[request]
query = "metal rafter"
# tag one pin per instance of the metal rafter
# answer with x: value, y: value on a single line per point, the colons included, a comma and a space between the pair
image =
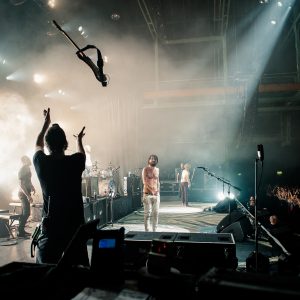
x: 147, y: 16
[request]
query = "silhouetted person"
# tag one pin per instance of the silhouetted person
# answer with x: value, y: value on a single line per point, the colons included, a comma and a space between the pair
x: 178, y: 178
x: 185, y: 183
x: 60, y: 179
x: 25, y: 190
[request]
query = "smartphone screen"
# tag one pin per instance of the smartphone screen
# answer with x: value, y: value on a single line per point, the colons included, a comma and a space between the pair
x: 107, y: 243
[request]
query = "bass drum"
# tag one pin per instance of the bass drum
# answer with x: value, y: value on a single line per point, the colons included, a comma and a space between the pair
x: 107, y: 187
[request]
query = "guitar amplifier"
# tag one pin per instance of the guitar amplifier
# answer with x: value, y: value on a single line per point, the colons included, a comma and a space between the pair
x: 99, y: 210
x: 89, y: 186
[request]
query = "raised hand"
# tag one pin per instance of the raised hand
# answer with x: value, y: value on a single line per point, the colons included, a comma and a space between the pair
x: 47, y: 117
x: 81, y: 134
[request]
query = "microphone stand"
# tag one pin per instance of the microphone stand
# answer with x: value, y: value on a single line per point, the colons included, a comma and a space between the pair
x: 224, y: 181
x: 255, y: 215
x: 110, y: 203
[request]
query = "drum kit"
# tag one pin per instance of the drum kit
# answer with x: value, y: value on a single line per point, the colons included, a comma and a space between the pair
x: 106, y: 179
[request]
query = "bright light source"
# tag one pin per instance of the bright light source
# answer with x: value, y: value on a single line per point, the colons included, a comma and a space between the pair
x: 80, y: 28
x: 38, y: 78
x: 273, y: 22
x: 51, y: 3
x: 221, y: 196
x: 115, y: 16
x: 279, y: 3
x: 61, y: 92
x: 105, y: 59
x: 18, y: 75
x: 55, y: 94
x: 14, y: 194
x: 279, y: 172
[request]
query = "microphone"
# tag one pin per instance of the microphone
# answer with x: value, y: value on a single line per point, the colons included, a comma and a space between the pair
x: 260, y: 152
x: 201, y: 168
x: 102, y: 77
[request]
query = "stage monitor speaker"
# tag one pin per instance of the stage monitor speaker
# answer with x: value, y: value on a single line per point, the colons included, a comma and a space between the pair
x: 138, y: 244
x: 237, y: 231
x: 191, y: 253
x: 195, y: 253
x: 236, y: 223
x: 233, y: 217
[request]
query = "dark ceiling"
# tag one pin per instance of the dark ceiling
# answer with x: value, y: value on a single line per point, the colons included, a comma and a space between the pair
x: 187, y: 31
x: 31, y: 20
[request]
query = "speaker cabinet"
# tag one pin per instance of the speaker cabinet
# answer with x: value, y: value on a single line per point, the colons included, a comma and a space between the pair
x: 138, y: 245
x: 36, y: 212
x: 196, y: 253
x: 4, y: 232
x: 88, y: 212
x: 236, y: 223
x: 99, y: 210
x: 89, y: 186
x: 233, y: 217
x: 191, y: 253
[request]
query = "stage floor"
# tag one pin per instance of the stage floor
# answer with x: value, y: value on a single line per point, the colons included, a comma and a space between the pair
x: 198, y: 217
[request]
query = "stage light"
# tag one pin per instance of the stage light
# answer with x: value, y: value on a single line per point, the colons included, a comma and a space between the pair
x: 19, y: 75
x: 51, y: 3
x: 38, y: 78
x: 220, y: 196
x: 273, y: 22
x: 115, y: 16
x: 55, y: 94
x: 279, y: 173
